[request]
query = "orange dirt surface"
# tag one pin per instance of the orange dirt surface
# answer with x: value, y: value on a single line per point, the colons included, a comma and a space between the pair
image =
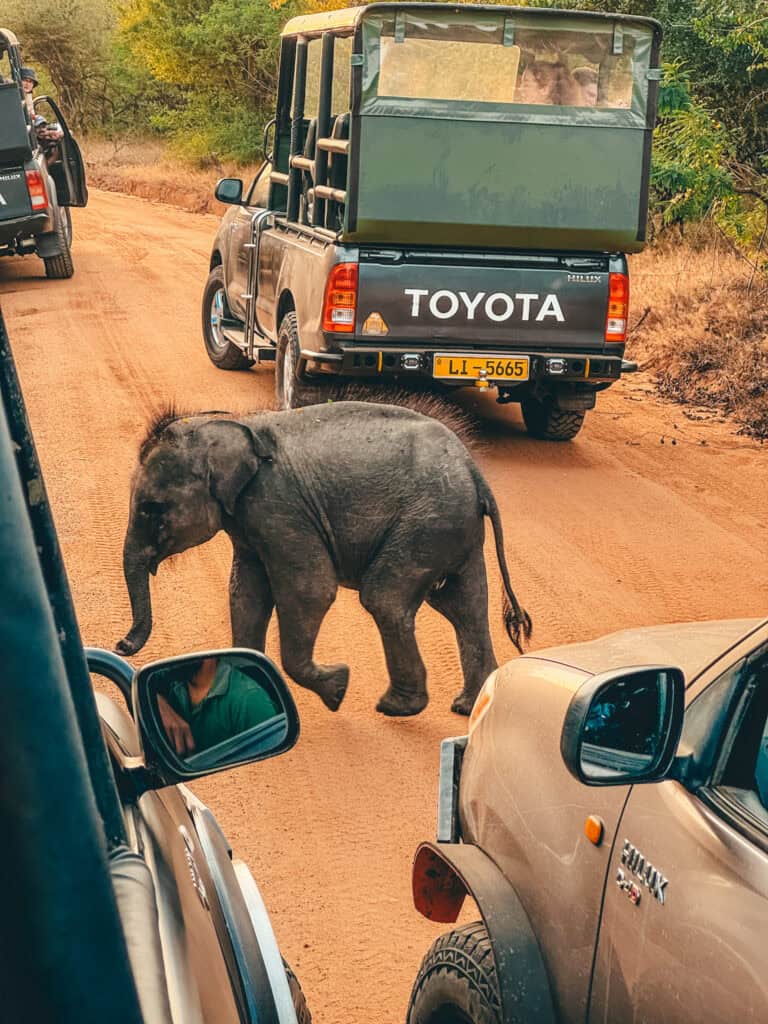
x: 647, y: 517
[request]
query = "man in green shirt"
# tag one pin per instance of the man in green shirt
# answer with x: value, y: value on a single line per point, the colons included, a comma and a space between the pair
x: 214, y: 702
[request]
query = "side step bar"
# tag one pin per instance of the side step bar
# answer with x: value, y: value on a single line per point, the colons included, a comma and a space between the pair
x: 261, y: 353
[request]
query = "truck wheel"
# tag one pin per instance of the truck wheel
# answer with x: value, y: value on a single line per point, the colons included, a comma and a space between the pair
x: 291, y: 390
x: 544, y: 421
x: 221, y: 352
x: 60, y: 267
x: 457, y: 981
x: 303, y: 1016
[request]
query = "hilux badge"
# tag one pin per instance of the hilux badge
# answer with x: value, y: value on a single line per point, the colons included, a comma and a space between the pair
x: 642, y: 869
x: 583, y: 279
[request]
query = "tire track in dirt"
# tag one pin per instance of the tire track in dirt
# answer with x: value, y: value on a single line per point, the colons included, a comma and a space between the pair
x: 613, y: 530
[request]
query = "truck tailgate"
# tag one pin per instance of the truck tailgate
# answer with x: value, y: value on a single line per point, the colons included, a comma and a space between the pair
x: 14, y: 197
x: 497, y: 301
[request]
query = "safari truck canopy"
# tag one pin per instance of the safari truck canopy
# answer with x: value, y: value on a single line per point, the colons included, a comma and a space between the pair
x: 493, y: 127
x: 15, y: 141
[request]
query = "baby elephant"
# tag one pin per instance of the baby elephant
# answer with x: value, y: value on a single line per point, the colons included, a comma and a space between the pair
x: 374, y: 497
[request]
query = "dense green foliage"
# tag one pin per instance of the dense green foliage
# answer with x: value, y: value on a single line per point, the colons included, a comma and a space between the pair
x: 218, y: 61
x: 203, y: 72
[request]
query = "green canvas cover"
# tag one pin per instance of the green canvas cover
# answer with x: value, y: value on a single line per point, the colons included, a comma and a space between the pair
x: 504, y: 129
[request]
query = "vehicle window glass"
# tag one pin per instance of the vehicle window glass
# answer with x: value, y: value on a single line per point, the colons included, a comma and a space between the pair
x: 258, y: 194
x: 312, y: 91
x: 556, y: 67
x: 5, y: 66
x: 706, y: 720
x: 342, y: 59
x: 745, y: 770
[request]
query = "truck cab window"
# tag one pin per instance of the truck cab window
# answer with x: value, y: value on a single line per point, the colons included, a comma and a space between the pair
x: 745, y: 774
x: 258, y: 193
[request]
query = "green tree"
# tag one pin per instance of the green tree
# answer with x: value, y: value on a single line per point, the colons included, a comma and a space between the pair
x: 222, y: 56
x: 92, y: 75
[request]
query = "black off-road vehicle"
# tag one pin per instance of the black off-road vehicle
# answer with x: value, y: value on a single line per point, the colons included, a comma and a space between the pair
x: 41, y: 171
x: 450, y: 196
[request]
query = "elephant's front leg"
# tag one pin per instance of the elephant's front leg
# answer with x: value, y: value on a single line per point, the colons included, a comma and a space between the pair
x: 303, y: 596
x: 250, y: 600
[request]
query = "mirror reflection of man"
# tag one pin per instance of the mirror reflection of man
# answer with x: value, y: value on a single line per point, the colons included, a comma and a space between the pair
x: 209, y: 701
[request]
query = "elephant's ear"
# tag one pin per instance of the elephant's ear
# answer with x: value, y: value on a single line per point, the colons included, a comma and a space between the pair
x: 231, y: 458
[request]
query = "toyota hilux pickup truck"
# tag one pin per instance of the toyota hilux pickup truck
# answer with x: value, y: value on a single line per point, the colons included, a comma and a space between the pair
x: 607, y: 815
x: 466, y: 229
x: 42, y: 175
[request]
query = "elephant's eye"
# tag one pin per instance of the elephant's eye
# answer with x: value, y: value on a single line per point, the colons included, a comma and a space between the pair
x: 152, y: 508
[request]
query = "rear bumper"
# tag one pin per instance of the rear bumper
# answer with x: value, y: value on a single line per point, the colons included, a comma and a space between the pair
x: 24, y: 227
x: 550, y: 367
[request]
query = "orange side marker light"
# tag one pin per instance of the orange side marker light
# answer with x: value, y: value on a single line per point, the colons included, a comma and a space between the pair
x: 593, y: 829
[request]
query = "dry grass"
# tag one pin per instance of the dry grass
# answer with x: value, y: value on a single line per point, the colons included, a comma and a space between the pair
x: 144, y: 168
x: 705, y: 335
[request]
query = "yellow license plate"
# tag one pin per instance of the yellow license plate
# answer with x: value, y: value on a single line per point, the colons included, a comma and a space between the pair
x: 466, y: 366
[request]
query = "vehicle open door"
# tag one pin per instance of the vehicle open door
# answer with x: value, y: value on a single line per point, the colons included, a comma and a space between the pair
x: 66, y: 166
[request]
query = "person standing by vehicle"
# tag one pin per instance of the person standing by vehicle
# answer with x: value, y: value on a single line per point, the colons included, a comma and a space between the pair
x: 28, y: 85
x: 47, y: 134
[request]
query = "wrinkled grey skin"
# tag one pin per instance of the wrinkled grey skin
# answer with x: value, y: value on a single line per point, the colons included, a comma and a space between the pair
x: 373, y: 497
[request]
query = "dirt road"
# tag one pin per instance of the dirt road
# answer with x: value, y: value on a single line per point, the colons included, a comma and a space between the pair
x: 647, y: 517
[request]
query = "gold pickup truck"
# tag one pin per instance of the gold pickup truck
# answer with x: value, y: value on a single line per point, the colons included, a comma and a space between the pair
x: 608, y: 815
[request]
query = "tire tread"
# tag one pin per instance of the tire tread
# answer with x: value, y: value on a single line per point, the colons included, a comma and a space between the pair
x: 464, y: 954
x: 61, y: 267
x: 546, y: 422
x: 232, y: 358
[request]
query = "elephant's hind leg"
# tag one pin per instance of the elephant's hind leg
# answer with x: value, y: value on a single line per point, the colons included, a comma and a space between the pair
x: 393, y: 601
x: 463, y: 600
x: 250, y: 600
x: 303, y: 597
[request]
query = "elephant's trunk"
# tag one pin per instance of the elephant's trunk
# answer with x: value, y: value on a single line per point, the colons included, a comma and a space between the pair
x: 136, y: 567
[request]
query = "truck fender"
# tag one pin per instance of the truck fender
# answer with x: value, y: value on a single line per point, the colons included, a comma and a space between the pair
x: 443, y: 875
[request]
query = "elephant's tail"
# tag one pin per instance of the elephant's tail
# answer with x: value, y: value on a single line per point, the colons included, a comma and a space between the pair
x: 517, y: 621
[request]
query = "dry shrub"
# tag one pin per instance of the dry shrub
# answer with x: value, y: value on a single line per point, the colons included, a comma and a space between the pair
x: 705, y: 335
x: 143, y: 168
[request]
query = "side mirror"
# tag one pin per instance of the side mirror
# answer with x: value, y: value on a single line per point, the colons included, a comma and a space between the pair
x: 229, y: 190
x: 623, y: 727
x: 201, y: 713
x: 268, y: 144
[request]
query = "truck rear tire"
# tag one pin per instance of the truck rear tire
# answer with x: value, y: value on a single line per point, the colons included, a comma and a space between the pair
x: 222, y: 353
x: 60, y: 267
x: 292, y: 390
x: 457, y: 982
x: 544, y: 421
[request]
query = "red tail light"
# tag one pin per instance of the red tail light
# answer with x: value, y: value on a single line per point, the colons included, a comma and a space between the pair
x: 618, y: 308
x: 38, y: 196
x: 340, y: 304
